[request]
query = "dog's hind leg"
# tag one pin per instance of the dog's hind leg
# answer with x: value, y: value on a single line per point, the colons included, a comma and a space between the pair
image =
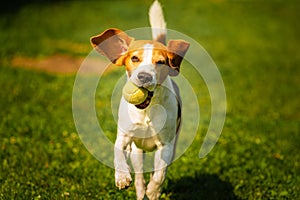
x: 137, y: 159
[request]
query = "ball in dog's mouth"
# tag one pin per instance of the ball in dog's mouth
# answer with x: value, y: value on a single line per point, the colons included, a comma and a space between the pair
x: 138, y: 96
x: 147, y: 101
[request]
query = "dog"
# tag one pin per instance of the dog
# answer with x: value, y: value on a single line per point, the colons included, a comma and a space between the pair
x: 153, y: 125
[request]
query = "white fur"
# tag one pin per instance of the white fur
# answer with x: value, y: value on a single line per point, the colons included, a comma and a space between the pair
x: 147, y: 55
x: 157, y: 21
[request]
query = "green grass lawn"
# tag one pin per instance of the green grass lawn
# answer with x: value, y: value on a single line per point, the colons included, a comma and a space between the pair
x: 256, y: 47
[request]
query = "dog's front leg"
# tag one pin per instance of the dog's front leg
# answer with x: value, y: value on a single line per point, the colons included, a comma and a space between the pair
x: 122, y: 172
x: 137, y: 159
x: 163, y: 158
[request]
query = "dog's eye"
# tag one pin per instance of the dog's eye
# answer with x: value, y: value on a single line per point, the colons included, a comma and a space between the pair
x: 161, y: 62
x: 135, y: 59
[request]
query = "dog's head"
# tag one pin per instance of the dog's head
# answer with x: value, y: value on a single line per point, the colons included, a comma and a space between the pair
x: 147, y: 62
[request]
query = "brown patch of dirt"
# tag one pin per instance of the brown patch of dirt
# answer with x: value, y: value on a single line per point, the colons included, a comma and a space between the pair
x: 60, y: 64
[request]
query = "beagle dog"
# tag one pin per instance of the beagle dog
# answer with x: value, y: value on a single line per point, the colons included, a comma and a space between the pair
x: 153, y: 125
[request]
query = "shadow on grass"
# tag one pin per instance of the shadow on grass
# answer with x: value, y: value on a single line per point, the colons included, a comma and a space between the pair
x: 202, y: 186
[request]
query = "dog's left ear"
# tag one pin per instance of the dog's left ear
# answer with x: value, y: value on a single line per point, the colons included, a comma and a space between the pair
x: 176, y: 52
x: 112, y: 43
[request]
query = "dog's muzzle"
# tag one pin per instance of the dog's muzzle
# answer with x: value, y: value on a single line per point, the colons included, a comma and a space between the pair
x: 144, y: 79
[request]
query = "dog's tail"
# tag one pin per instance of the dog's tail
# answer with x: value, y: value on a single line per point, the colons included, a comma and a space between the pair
x: 157, y: 22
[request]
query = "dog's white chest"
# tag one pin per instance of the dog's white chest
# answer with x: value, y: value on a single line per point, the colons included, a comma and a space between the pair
x: 143, y: 125
x: 148, y: 128
x: 151, y: 120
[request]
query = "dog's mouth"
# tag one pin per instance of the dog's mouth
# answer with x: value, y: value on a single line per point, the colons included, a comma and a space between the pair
x: 147, y: 101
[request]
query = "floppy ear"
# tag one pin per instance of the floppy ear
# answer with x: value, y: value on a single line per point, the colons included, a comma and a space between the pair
x: 176, y: 52
x: 112, y: 43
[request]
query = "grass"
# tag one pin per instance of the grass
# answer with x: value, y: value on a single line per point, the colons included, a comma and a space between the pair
x: 256, y: 47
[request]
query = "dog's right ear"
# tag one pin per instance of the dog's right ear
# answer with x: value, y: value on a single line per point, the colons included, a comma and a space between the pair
x: 112, y: 43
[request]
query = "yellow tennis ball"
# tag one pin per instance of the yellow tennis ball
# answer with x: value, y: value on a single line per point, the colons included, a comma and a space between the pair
x: 134, y: 94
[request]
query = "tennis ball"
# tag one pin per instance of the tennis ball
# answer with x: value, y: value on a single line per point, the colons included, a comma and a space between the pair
x: 134, y: 94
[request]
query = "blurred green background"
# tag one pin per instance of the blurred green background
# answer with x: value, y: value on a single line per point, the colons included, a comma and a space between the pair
x: 255, y: 45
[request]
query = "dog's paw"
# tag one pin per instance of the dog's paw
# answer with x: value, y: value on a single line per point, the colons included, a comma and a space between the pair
x: 153, y: 195
x: 123, y: 180
x: 153, y: 190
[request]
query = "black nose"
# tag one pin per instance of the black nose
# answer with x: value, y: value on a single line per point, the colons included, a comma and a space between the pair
x: 144, y: 77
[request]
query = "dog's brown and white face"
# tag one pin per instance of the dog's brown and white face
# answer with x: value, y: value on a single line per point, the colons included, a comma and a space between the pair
x: 147, y: 62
